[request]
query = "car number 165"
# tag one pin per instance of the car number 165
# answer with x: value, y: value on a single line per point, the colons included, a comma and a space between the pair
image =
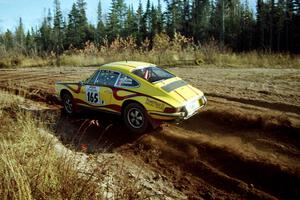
x: 92, y: 94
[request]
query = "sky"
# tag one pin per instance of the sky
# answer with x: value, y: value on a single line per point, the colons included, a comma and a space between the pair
x: 32, y: 11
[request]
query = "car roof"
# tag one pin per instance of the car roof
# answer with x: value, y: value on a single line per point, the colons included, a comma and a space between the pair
x: 126, y: 65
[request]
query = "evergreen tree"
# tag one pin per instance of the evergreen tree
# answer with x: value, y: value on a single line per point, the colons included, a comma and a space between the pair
x: 153, y: 23
x: 44, y: 36
x: 147, y: 19
x: 186, y: 18
x: 116, y: 19
x: 227, y: 19
x: 30, y: 44
x: 260, y: 18
x: 160, y: 18
x: 100, y: 31
x: 200, y: 19
x: 130, y: 28
x: 174, y: 16
x: 20, y: 36
x: 246, y: 37
x: 84, y: 30
x: 73, y: 38
x: 8, y: 40
x: 141, y: 24
x: 276, y: 26
x: 58, y: 35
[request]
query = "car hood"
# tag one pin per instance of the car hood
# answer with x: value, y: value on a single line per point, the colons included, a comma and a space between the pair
x: 179, y: 90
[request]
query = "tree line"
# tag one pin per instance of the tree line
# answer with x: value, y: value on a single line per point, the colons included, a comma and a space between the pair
x: 274, y: 27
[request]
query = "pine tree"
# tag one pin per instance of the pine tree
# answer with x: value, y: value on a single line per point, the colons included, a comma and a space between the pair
x: 153, y: 23
x: 295, y: 22
x: 45, y: 36
x: 83, y: 28
x: 260, y: 18
x: 246, y: 38
x: 141, y: 24
x: 8, y: 40
x: 116, y: 19
x: 20, y: 36
x: 130, y: 28
x: 73, y: 38
x: 174, y: 16
x: 160, y: 18
x: 290, y: 22
x: 200, y: 19
x: 147, y: 19
x: 30, y: 44
x: 227, y: 19
x: 58, y: 35
x: 186, y: 18
x: 100, y: 31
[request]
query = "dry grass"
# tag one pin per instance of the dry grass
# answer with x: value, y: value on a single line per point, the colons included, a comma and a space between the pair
x: 29, y: 166
x: 164, y: 51
x: 34, y: 165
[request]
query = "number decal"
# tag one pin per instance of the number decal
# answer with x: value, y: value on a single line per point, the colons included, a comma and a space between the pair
x: 92, y: 95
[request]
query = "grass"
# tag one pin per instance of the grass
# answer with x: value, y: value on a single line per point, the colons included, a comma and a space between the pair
x: 164, y: 51
x: 30, y: 168
x: 35, y: 165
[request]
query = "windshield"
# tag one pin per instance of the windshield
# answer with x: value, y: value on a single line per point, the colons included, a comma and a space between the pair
x: 153, y: 74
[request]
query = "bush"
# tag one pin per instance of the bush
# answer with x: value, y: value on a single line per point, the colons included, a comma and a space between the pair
x: 163, y: 50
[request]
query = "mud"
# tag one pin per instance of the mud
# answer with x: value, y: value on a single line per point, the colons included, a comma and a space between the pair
x: 234, y: 149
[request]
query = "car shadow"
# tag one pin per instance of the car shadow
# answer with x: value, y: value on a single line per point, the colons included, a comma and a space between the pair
x: 93, y: 132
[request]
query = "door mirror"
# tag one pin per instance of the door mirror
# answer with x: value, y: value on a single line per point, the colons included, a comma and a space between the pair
x: 81, y: 83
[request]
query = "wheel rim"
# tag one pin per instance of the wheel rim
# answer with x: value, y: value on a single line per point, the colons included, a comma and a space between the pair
x: 68, y: 104
x: 135, y: 118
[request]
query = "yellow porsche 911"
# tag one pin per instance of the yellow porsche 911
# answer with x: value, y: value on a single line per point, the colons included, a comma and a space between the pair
x: 142, y: 93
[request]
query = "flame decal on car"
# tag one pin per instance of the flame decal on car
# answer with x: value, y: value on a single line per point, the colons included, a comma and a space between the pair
x: 121, y: 98
x: 114, y: 107
x: 67, y: 85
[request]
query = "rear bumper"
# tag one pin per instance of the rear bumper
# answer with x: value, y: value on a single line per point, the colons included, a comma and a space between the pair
x: 203, y: 102
x: 179, y: 116
x: 167, y: 115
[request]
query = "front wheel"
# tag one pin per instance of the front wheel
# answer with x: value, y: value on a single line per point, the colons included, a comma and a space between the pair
x: 68, y: 103
x: 135, y: 118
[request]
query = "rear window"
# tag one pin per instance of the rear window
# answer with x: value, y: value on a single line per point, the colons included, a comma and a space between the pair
x: 153, y: 74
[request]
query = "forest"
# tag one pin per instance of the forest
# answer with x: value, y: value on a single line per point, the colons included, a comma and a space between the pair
x: 230, y: 25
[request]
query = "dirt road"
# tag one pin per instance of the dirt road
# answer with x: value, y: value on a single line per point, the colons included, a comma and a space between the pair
x: 244, y: 145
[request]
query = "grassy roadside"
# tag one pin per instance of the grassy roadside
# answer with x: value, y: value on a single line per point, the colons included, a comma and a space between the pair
x: 168, y: 58
x: 30, y: 168
x: 34, y: 164
x: 163, y: 51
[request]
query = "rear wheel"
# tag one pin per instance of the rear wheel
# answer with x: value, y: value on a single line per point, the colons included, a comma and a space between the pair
x: 135, y: 118
x: 68, y: 103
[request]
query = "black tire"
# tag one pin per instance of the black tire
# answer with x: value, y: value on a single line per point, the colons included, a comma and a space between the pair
x: 68, y: 103
x: 135, y: 118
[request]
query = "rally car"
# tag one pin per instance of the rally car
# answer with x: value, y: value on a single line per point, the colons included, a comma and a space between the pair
x: 142, y: 93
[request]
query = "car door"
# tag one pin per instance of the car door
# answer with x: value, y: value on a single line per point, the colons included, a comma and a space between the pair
x: 98, y: 92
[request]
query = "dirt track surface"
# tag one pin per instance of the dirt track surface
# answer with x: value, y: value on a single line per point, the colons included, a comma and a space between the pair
x: 244, y: 145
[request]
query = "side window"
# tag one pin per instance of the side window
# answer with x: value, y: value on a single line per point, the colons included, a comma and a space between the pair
x: 126, y: 81
x: 92, y: 78
x: 107, y: 77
